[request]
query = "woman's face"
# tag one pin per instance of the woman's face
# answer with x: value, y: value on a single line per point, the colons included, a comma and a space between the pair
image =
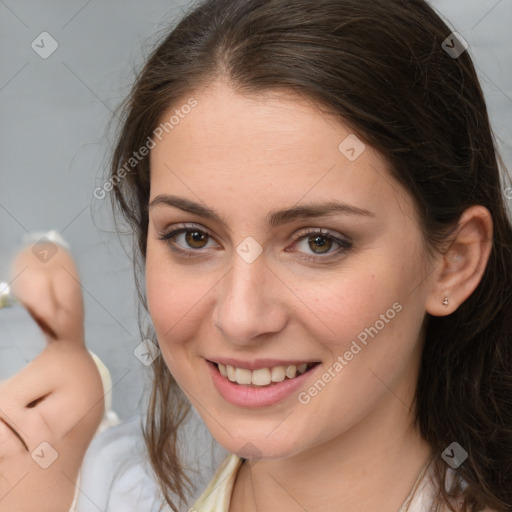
x: 258, y: 287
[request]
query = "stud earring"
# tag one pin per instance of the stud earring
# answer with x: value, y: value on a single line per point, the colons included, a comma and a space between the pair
x: 445, y: 301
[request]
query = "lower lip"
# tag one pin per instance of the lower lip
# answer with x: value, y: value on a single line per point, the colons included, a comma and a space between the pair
x: 248, y: 396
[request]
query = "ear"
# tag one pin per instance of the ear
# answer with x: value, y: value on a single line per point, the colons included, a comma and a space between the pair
x: 462, y: 265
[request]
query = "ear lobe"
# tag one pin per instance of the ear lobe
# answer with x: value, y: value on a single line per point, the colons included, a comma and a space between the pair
x: 462, y: 266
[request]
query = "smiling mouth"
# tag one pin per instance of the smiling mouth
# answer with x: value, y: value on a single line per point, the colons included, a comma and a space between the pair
x: 262, y: 377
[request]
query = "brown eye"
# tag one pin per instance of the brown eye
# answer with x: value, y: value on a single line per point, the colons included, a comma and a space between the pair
x: 321, y: 246
x: 321, y: 242
x: 188, y: 241
x: 196, y: 239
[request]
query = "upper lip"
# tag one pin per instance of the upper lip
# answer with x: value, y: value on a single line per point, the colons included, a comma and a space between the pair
x: 259, y: 363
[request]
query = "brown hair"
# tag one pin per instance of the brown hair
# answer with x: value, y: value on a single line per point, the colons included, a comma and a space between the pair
x: 380, y: 66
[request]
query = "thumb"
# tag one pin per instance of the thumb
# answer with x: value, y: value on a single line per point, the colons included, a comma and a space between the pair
x: 51, y: 292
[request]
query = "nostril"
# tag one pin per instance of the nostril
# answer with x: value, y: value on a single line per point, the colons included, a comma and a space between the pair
x: 36, y: 401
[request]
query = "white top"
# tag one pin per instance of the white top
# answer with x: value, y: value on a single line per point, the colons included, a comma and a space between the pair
x: 116, y: 474
x: 109, y: 419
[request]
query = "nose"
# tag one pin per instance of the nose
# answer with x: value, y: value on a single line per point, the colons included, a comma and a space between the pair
x: 249, y: 303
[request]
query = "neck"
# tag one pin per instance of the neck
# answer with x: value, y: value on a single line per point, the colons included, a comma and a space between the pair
x: 373, y: 466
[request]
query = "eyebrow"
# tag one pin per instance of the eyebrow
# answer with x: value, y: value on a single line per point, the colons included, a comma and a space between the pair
x: 14, y: 432
x: 273, y: 218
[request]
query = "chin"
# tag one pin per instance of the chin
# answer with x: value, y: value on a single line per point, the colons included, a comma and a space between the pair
x: 258, y: 447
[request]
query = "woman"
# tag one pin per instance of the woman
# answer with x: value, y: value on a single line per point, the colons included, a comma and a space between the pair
x: 316, y: 200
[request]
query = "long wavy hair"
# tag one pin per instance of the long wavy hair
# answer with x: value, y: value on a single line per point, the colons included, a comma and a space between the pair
x: 382, y: 67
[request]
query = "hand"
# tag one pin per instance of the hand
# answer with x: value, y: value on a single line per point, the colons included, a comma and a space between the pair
x: 51, y: 292
x: 51, y: 409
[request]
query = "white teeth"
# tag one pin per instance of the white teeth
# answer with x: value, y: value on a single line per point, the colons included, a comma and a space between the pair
x: 291, y: 371
x: 231, y: 373
x: 302, y: 368
x: 243, y: 376
x: 278, y: 373
x: 261, y: 376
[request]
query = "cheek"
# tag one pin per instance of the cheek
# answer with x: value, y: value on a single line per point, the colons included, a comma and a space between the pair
x: 342, y: 306
x: 176, y: 297
x: 162, y: 289
x: 374, y: 349
x: 371, y: 315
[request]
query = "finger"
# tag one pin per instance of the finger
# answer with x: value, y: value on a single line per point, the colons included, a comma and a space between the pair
x: 51, y: 291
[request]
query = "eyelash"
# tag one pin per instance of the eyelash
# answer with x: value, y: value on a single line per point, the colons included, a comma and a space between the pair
x: 345, y: 245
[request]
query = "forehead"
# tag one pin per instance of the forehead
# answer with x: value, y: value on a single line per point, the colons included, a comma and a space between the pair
x: 266, y: 149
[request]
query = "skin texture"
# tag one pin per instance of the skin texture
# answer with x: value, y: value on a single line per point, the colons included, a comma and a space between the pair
x: 57, y: 398
x: 353, y: 446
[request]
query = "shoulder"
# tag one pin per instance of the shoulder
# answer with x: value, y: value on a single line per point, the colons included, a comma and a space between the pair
x: 113, y: 465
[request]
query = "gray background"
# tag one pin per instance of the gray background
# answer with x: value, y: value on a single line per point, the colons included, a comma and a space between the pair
x: 54, y: 142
